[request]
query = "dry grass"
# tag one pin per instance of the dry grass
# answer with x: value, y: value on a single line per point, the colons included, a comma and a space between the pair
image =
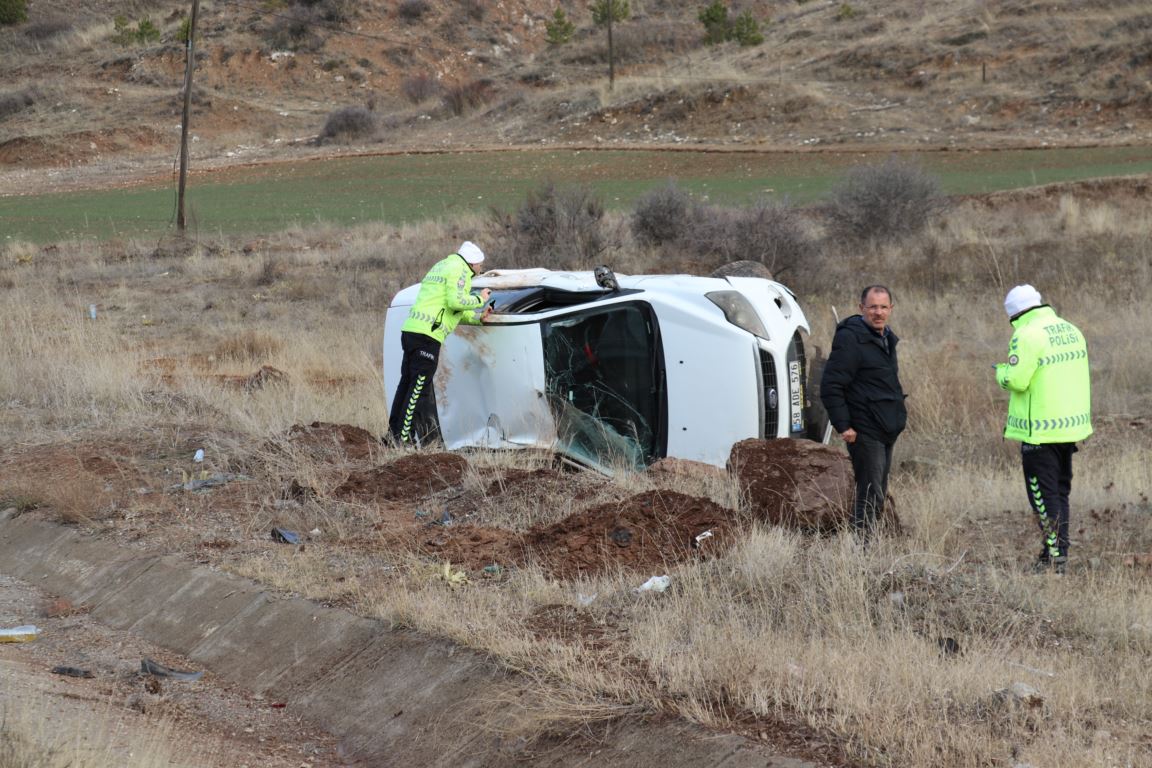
x: 808, y: 632
x: 68, y: 737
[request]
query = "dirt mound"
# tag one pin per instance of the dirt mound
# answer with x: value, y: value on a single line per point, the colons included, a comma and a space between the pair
x: 519, y: 482
x: 322, y: 437
x: 647, y: 532
x: 795, y: 483
x: 651, y: 531
x: 409, y: 478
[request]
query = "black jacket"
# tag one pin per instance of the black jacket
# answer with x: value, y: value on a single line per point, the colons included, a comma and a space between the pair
x: 861, y: 383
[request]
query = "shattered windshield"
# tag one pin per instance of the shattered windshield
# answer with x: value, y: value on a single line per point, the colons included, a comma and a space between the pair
x: 605, y: 384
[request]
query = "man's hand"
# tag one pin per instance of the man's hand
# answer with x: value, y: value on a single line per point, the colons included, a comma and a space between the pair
x: 849, y: 435
x: 487, y: 311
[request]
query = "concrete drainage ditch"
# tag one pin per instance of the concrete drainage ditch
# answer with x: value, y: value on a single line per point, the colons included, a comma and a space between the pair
x: 392, y: 696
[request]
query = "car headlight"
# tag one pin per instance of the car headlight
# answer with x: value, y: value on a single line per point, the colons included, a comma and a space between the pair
x: 739, y: 311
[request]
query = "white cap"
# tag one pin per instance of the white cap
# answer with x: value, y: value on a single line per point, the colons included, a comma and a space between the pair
x: 1021, y: 298
x: 471, y: 252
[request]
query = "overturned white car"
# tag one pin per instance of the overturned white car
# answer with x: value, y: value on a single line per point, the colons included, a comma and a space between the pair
x: 618, y: 371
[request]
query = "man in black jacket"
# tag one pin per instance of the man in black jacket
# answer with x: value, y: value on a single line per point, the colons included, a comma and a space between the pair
x: 861, y: 391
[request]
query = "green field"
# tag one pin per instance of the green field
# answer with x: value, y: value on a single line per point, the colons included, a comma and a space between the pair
x: 412, y: 187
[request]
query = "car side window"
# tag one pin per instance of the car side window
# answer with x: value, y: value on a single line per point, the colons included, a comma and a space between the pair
x: 603, y: 381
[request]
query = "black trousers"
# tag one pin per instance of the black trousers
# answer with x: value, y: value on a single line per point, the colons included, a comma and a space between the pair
x: 1048, y: 480
x: 413, y: 416
x: 871, y: 463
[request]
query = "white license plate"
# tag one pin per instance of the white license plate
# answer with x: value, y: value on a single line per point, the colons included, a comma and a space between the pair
x: 796, y: 395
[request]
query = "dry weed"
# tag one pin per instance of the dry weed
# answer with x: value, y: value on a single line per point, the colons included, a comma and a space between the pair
x: 844, y: 642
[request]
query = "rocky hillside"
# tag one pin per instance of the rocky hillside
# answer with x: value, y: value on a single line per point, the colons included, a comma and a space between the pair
x: 76, y: 87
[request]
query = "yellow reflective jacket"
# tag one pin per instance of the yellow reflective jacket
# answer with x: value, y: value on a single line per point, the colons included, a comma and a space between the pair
x: 445, y: 300
x: 1047, y: 376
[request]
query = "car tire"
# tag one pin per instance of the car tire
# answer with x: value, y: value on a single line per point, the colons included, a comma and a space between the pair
x: 815, y: 417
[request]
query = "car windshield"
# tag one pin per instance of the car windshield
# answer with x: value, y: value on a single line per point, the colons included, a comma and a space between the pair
x: 605, y: 384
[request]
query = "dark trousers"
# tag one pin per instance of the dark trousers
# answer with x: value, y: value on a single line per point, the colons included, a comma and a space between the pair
x: 413, y: 416
x: 1048, y: 479
x: 871, y: 462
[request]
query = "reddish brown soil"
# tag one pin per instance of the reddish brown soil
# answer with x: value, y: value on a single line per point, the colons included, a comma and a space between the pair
x: 409, y: 478
x: 647, y: 533
x: 319, y: 436
x: 796, y: 483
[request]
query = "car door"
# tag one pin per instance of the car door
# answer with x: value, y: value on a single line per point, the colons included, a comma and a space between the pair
x: 490, y: 388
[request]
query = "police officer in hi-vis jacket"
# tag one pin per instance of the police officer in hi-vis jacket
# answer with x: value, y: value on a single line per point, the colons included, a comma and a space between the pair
x: 1049, y: 410
x: 444, y: 301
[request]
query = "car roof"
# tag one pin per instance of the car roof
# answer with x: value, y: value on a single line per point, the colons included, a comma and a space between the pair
x: 585, y: 281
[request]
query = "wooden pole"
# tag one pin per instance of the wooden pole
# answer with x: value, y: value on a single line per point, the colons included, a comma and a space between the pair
x: 181, y: 222
x: 611, y: 52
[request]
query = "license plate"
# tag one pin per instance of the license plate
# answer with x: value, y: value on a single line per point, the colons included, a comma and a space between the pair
x: 796, y: 395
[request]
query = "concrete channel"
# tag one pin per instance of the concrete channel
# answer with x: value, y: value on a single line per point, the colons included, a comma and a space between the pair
x: 395, y: 697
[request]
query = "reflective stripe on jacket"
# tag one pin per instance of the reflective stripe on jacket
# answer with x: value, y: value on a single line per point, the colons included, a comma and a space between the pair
x: 1047, y: 376
x: 445, y: 300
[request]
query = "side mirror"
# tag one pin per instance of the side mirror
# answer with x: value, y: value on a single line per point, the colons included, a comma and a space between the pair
x: 605, y: 278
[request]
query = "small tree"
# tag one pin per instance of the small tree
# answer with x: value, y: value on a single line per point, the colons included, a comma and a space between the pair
x: 606, y: 13
x: 124, y: 34
x: 13, y: 11
x: 718, y: 28
x: 746, y: 30
x: 560, y: 29
x: 715, y: 21
x: 184, y: 31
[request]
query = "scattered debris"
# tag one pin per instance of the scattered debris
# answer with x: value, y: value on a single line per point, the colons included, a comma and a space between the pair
x: 585, y: 600
x: 654, y: 584
x: 285, y: 536
x: 150, y: 667
x: 72, y: 672
x: 59, y: 607
x: 452, y: 577
x: 1021, y: 694
x: 22, y: 634
x: 700, y: 538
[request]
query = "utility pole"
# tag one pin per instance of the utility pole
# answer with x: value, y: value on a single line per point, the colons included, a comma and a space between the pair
x: 180, y: 220
x: 611, y: 51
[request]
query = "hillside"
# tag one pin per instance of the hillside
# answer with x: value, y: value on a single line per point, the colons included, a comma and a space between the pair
x: 447, y: 74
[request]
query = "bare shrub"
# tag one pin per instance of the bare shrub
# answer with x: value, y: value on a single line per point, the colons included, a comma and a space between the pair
x: 889, y: 201
x: 556, y: 227
x: 43, y: 30
x: 295, y: 30
x: 412, y: 11
x: 349, y: 124
x: 460, y: 97
x: 475, y: 9
x: 17, y: 101
x: 661, y: 216
x: 419, y: 88
x: 332, y: 11
x: 770, y: 233
x: 271, y: 271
